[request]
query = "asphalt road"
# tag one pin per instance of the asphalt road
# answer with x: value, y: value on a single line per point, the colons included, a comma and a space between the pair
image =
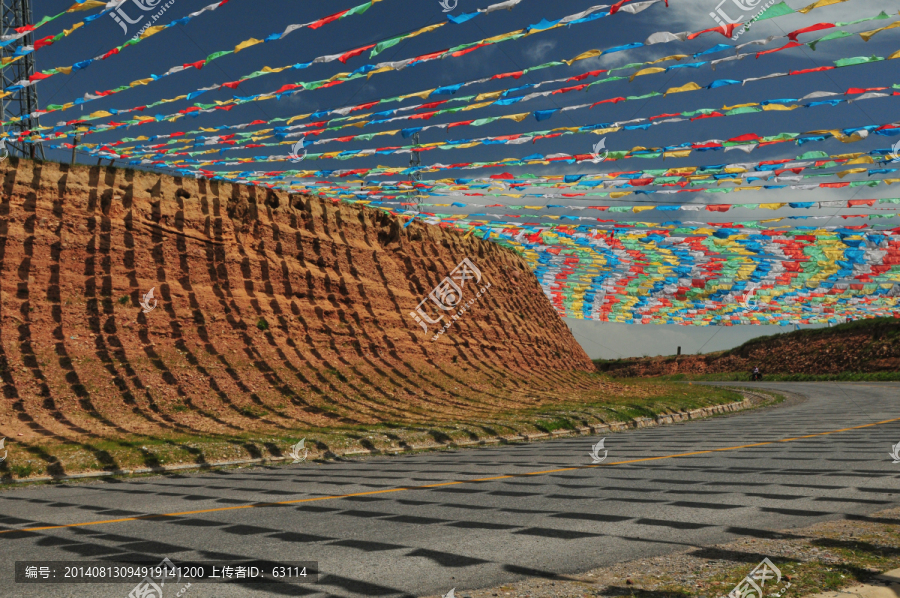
x: 399, y: 541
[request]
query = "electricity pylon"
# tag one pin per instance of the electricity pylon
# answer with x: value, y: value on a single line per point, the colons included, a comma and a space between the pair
x: 415, y: 161
x: 23, y: 102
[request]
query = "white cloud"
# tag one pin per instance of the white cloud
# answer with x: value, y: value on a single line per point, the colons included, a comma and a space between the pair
x: 538, y: 52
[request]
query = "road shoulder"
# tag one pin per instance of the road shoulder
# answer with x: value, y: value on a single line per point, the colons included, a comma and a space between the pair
x: 842, y: 558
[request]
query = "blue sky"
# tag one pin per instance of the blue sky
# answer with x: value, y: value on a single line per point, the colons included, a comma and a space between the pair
x: 242, y: 19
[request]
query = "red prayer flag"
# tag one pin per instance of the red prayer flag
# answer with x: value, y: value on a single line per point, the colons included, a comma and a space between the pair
x: 784, y: 47
x: 817, y: 27
x: 356, y: 52
x: 815, y: 70
x: 46, y: 41
x: 328, y: 19
x: 613, y: 100
x: 726, y: 30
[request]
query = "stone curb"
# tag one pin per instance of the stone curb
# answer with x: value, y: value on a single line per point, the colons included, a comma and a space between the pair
x: 638, y: 422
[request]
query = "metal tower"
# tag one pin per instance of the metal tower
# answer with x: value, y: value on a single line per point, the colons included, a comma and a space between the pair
x: 15, y: 14
x: 413, y: 162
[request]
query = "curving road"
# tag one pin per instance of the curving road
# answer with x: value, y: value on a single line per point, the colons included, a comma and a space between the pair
x: 393, y: 540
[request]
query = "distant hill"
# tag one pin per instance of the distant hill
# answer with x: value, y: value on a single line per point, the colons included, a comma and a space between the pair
x: 865, y: 349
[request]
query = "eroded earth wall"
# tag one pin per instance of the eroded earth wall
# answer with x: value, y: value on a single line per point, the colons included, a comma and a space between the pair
x: 269, y: 309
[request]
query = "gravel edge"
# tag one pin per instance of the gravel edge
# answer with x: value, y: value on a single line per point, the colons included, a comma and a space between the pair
x: 753, y: 399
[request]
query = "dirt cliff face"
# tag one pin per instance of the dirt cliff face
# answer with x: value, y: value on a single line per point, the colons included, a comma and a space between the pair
x: 269, y: 310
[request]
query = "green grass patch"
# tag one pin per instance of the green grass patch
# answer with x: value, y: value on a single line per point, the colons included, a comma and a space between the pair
x: 631, y: 399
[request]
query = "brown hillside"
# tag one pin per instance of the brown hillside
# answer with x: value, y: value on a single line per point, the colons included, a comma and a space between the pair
x: 333, y: 285
x: 865, y: 346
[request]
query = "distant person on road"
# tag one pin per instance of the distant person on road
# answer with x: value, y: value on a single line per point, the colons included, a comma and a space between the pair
x: 756, y: 375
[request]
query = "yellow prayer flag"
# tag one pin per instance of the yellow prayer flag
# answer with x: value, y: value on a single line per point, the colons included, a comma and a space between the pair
x: 861, y: 160
x: 894, y: 55
x: 422, y: 94
x: 476, y: 106
x: 517, y: 117
x: 867, y: 35
x: 65, y: 70
x: 76, y: 26
x: 246, y: 44
x: 681, y: 171
x: 647, y: 71
x: 844, y: 173
x: 853, y: 138
x: 686, y: 87
x: 739, y: 106
x: 675, y: 57
x: 138, y: 82
x: 584, y: 55
x: 677, y: 154
x: 152, y: 31
x: 88, y: 5
x: 819, y: 4
x: 487, y: 96
x: 771, y: 206
x: 779, y: 107
x: 618, y: 194
x: 381, y: 70
x: 638, y: 209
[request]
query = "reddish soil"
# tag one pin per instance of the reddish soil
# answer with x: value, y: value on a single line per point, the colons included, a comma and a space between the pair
x: 864, y: 346
x: 335, y: 284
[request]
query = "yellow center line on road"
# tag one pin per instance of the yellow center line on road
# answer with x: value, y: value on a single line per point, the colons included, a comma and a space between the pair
x: 405, y: 488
